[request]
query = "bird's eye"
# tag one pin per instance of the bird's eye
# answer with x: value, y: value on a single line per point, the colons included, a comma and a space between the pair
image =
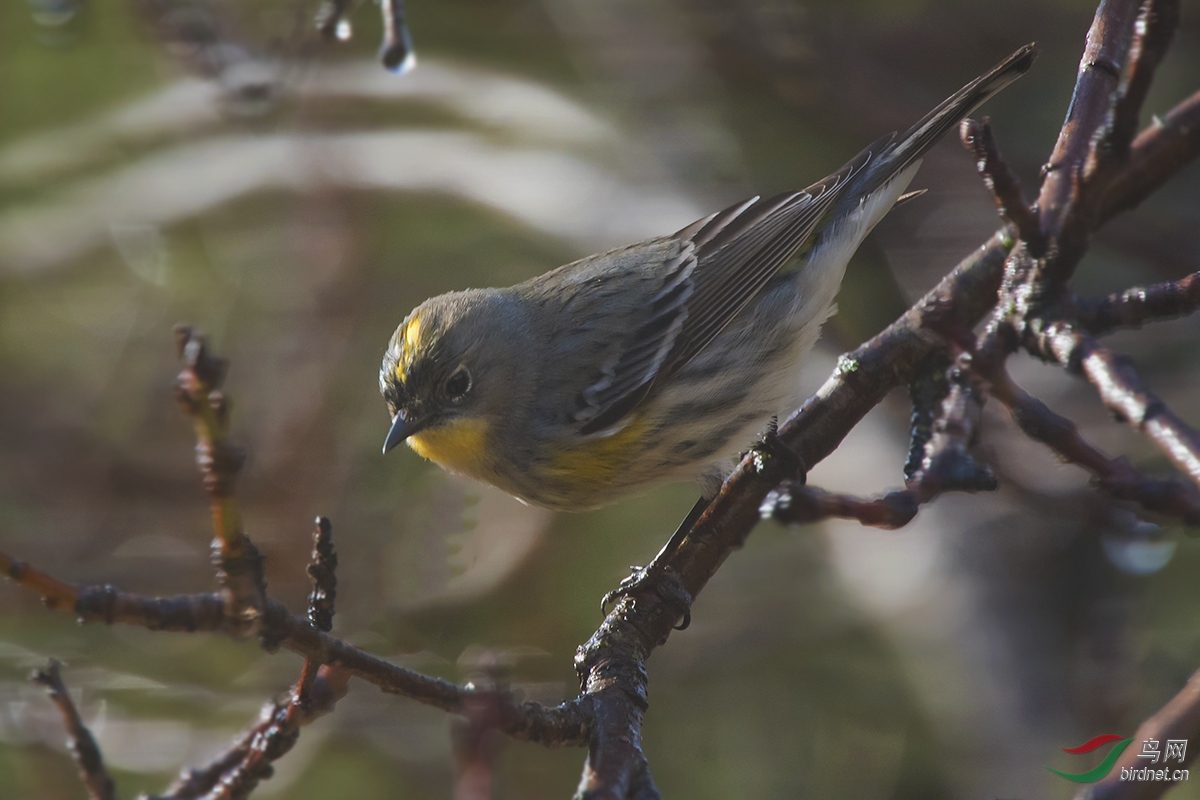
x: 458, y: 384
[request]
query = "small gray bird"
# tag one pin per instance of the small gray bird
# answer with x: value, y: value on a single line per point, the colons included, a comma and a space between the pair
x: 653, y: 362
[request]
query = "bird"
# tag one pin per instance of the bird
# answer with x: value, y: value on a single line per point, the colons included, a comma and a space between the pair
x: 654, y: 362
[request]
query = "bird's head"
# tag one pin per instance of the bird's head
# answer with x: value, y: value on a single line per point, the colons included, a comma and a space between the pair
x: 448, y: 375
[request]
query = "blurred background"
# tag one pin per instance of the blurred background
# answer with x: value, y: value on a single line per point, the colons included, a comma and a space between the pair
x: 215, y: 162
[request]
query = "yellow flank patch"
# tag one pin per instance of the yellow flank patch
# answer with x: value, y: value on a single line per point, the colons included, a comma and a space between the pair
x: 599, y: 461
x: 456, y: 446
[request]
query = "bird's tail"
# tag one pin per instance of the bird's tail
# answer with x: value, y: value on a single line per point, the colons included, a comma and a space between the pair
x: 903, y: 150
x: 917, y: 140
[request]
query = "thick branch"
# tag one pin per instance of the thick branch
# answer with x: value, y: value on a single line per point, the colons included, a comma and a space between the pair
x: 1099, y: 75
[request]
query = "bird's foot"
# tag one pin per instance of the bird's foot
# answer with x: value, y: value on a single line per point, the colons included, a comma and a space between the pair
x: 663, y: 582
x: 771, y: 446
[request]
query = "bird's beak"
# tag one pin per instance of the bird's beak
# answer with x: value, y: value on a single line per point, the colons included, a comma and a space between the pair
x: 404, y: 425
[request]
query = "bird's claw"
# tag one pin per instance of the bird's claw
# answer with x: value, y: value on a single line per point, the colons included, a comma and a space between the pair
x: 772, y: 446
x: 663, y: 582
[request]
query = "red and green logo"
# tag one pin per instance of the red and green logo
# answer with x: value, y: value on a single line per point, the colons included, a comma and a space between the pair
x: 1100, y: 770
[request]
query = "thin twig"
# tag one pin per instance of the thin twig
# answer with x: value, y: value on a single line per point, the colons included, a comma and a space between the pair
x: 797, y: 504
x: 1153, y: 32
x: 238, y: 562
x: 567, y: 724
x: 235, y: 773
x: 1003, y: 183
x: 1135, y: 307
x: 83, y: 746
x: 1160, y: 151
x: 947, y: 464
x: 1116, y: 476
x: 322, y: 570
x: 397, y: 51
x: 1121, y: 390
x: 1179, y: 719
x: 331, y: 20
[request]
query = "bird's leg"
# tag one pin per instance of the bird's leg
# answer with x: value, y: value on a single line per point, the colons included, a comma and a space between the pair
x: 664, y: 581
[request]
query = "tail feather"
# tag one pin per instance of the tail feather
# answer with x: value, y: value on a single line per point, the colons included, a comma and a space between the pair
x: 917, y: 140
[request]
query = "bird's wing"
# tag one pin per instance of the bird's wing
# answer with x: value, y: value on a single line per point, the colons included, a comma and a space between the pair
x: 720, y: 263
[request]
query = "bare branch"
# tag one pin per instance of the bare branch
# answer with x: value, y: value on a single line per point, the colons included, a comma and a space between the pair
x: 1004, y: 185
x: 56, y: 595
x: 947, y: 464
x: 567, y: 724
x: 1116, y: 476
x: 234, y: 774
x: 1134, y: 307
x: 83, y: 747
x: 1099, y: 75
x: 239, y: 564
x: 1178, y: 719
x: 332, y: 18
x: 1153, y: 31
x: 926, y: 390
x: 1084, y: 185
x: 397, y: 51
x: 1121, y: 390
x: 321, y: 569
x: 1158, y: 153
x: 793, y: 503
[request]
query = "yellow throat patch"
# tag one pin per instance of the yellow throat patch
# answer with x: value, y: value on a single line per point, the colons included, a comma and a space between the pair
x: 456, y: 446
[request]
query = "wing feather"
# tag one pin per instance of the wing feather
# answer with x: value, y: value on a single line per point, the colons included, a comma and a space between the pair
x: 724, y: 261
x: 716, y: 266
